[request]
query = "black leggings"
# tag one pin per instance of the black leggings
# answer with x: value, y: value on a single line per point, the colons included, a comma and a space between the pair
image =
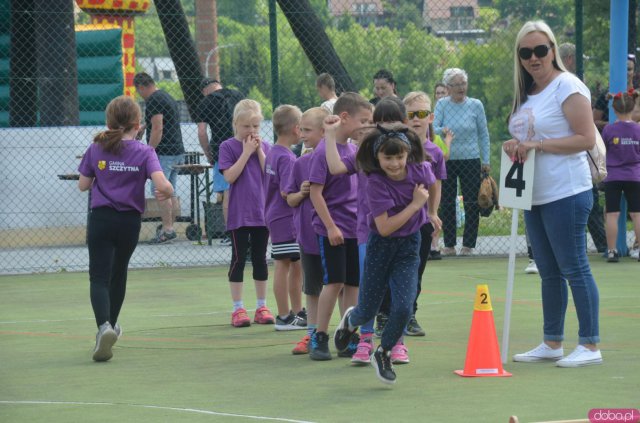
x: 113, y: 236
x: 468, y: 171
x: 259, y: 236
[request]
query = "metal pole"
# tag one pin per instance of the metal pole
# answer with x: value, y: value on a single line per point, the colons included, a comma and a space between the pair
x: 273, y: 43
x: 579, y: 46
x: 618, y: 43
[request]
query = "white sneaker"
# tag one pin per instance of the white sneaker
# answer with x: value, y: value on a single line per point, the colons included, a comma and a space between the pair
x: 118, y: 330
x: 542, y: 352
x: 634, y: 253
x: 105, y: 338
x: 531, y: 268
x: 581, y: 356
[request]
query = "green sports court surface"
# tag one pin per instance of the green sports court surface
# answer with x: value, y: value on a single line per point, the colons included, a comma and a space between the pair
x: 179, y: 360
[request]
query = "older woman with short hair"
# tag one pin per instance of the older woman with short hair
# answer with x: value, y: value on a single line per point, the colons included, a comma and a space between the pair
x: 465, y: 117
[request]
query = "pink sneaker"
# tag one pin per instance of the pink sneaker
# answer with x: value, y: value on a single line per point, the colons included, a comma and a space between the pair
x: 399, y: 354
x: 263, y: 316
x: 364, y: 351
x: 240, y: 319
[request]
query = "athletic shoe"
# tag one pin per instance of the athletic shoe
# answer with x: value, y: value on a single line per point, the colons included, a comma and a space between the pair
x: 434, y: 255
x: 531, y: 268
x: 263, y: 316
x: 448, y: 251
x: 542, y: 352
x: 466, y: 251
x: 363, y: 351
x: 342, y: 335
x: 291, y: 322
x: 319, y: 350
x: 225, y: 241
x: 351, y: 348
x: 240, y: 319
x: 118, y: 329
x: 302, y: 314
x: 105, y: 338
x: 163, y: 237
x: 635, y: 253
x: 612, y: 256
x: 381, y: 362
x: 399, y: 354
x: 381, y: 321
x: 302, y: 347
x: 581, y: 356
x: 413, y: 328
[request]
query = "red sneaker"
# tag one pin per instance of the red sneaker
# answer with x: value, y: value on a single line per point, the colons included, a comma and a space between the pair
x: 240, y: 319
x: 302, y: 347
x: 263, y: 316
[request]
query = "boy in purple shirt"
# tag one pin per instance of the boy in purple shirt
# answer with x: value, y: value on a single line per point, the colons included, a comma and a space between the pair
x: 115, y: 167
x: 334, y: 199
x: 298, y: 197
x: 241, y: 162
x: 622, y: 139
x: 418, y: 106
x: 287, y: 272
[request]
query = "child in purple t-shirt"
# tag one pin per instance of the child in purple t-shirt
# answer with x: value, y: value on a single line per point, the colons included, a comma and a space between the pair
x: 394, y: 160
x: 622, y: 139
x: 297, y: 190
x: 115, y: 167
x: 241, y: 161
x: 287, y: 272
x: 418, y: 106
x: 334, y: 199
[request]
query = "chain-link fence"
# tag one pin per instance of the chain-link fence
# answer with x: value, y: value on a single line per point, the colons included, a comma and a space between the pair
x: 62, y: 61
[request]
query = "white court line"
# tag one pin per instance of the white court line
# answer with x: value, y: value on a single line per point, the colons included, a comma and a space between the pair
x: 12, y: 322
x: 188, y: 410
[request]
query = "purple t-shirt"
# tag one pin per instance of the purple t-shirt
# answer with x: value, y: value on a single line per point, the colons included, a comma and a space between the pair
x: 437, y: 165
x: 246, y: 194
x: 622, y: 140
x: 278, y: 165
x: 387, y: 195
x: 362, y: 225
x: 119, y: 179
x: 340, y: 192
x: 302, y: 214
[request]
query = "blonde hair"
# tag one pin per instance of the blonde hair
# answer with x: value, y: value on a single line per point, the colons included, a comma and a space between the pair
x: 285, y: 118
x: 246, y: 107
x: 316, y: 115
x: 123, y: 114
x: 522, y: 80
x: 415, y: 96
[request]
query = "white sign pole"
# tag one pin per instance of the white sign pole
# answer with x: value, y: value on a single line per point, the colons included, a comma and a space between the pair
x: 510, y: 275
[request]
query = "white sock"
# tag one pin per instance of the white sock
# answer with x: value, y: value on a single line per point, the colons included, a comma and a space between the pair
x: 261, y: 302
x: 237, y: 305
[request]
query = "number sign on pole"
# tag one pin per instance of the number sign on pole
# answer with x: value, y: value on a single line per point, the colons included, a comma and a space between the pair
x: 516, y: 182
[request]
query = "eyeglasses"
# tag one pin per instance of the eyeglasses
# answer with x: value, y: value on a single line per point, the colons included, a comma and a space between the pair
x: 421, y: 114
x: 540, y: 51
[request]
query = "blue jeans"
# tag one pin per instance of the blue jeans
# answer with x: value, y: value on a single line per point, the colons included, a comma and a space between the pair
x: 559, y: 243
x: 391, y: 263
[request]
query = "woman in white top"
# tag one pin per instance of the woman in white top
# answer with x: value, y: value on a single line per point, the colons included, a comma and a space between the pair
x: 552, y: 114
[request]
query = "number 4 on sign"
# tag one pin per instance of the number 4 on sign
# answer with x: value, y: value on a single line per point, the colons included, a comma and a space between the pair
x: 516, y: 181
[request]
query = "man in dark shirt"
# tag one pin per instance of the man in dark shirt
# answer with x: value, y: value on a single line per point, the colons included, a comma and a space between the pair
x: 162, y: 124
x: 216, y: 111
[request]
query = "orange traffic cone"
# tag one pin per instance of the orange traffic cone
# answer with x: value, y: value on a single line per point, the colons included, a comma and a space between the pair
x: 483, y: 354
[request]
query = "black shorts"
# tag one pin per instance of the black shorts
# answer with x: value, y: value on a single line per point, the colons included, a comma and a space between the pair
x: 285, y: 250
x: 340, y: 264
x: 313, y: 273
x: 613, y: 194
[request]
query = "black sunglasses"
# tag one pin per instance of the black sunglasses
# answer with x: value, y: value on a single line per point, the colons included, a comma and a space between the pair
x: 421, y: 114
x: 540, y: 51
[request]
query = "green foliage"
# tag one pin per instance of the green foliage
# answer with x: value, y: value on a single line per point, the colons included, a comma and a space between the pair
x: 172, y: 88
x: 265, y: 102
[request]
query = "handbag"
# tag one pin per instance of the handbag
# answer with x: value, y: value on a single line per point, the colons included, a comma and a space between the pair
x: 597, y: 158
x: 488, y: 195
